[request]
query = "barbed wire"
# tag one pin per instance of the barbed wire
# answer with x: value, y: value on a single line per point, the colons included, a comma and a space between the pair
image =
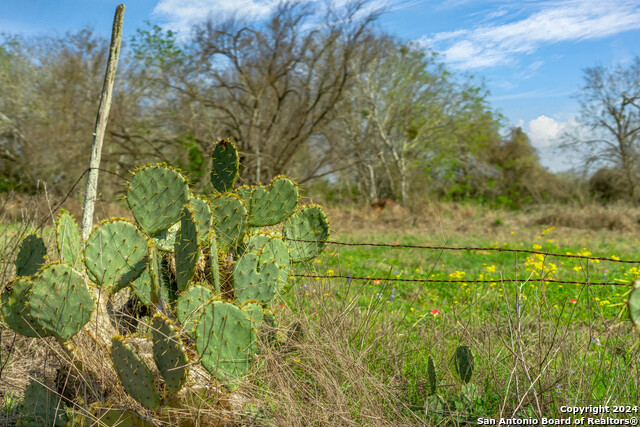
x: 468, y: 248
x: 388, y: 279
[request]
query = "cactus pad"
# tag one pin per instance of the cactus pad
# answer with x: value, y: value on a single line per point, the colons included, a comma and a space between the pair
x: 230, y: 220
x: 14, y: 309
x: 214, y: 266
x: 116, y: 253
x: 245, y: 192
x: 309, y: 225
x: 134, y: 374
x: 226, y: 341
x: 255, y: 313
x: 191, y: 305
x: 31, y: 255
x: 431, y: 375
x: 142, y: 288
x: 274, y: 205
x: 254, y: 280
x: 165, y: 240
x: 156, y: 195
x: 202, y: 217
x: 187, y: 250
x: 633, y: 305
x: 168, y: 354
x: 60, y: 300
x: 44, y: 406
x: 463, y: 361
x: 224, y: 165
x: 271, y: 248
x: 69, y: 240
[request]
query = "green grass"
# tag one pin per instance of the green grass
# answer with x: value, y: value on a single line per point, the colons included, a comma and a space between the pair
x: 572, y: 342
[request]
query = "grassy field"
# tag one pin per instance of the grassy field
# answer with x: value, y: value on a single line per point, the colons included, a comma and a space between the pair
x: 355, y: 351
x: 537, y: 345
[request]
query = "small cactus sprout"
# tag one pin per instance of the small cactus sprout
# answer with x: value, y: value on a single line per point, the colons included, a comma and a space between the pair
x: 431, y: 375
x: 463, y: 360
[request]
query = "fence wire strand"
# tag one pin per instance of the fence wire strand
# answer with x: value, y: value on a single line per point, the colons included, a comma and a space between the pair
x: 466, y: 248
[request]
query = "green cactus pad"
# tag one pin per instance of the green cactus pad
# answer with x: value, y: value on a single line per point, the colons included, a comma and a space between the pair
x: 225, y: 341
x: 214, y: 265
x: 431, y: 375
x: 156, y: 195
x: 254, y: 280
x: 271, y: 248
x: 274, y: 205
x: 463, y: 361
x: 191, y: 305
x: 309, y: 225
x: 44, y: 406
x: 187, y: 250
x: 122, y: 418
x: 255, y: 313
x: 14, y: 309
x: 69, y: 240
x: 245, y: 192
x: 31, y: 255
x: 60, y: 300
x: 116, y: 253
x: 142, y: 288
x: 168, y: 354
x: 202, y: 217
x: 135, y: 376
x: 165, y: 240
x: 633, y: 305
x: 224, y: 165
x: 230, y: 220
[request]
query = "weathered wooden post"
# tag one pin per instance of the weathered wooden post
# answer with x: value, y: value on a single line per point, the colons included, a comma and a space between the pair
x: 101, y: 123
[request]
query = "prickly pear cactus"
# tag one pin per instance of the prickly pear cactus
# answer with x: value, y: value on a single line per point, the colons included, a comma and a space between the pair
x: 60, y: 301
x: 69, y: 240
x: 134, y: 374
x: 156, y: 195
x: 204, y: 262
x: 431, y: 375
x: 31, y: 256
x: 463, y: 360
x: 224, y: 166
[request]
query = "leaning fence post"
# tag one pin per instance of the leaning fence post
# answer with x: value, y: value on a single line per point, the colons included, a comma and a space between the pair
x: 101, y: 123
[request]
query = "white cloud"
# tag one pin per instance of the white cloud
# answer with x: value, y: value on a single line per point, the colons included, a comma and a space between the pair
x: 552, y: 22
x: 182, y: 15
x: 545, y: 132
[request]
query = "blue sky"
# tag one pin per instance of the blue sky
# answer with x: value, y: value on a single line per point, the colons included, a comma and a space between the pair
x: 531, y: 54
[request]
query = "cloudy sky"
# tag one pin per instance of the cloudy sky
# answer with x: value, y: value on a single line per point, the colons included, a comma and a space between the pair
x: 530, y: 54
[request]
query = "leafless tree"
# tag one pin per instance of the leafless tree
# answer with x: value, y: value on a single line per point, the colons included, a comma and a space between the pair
x: 610, y: 110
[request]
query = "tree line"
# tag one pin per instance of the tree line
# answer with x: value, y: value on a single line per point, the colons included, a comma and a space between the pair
x: 319, y: 94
